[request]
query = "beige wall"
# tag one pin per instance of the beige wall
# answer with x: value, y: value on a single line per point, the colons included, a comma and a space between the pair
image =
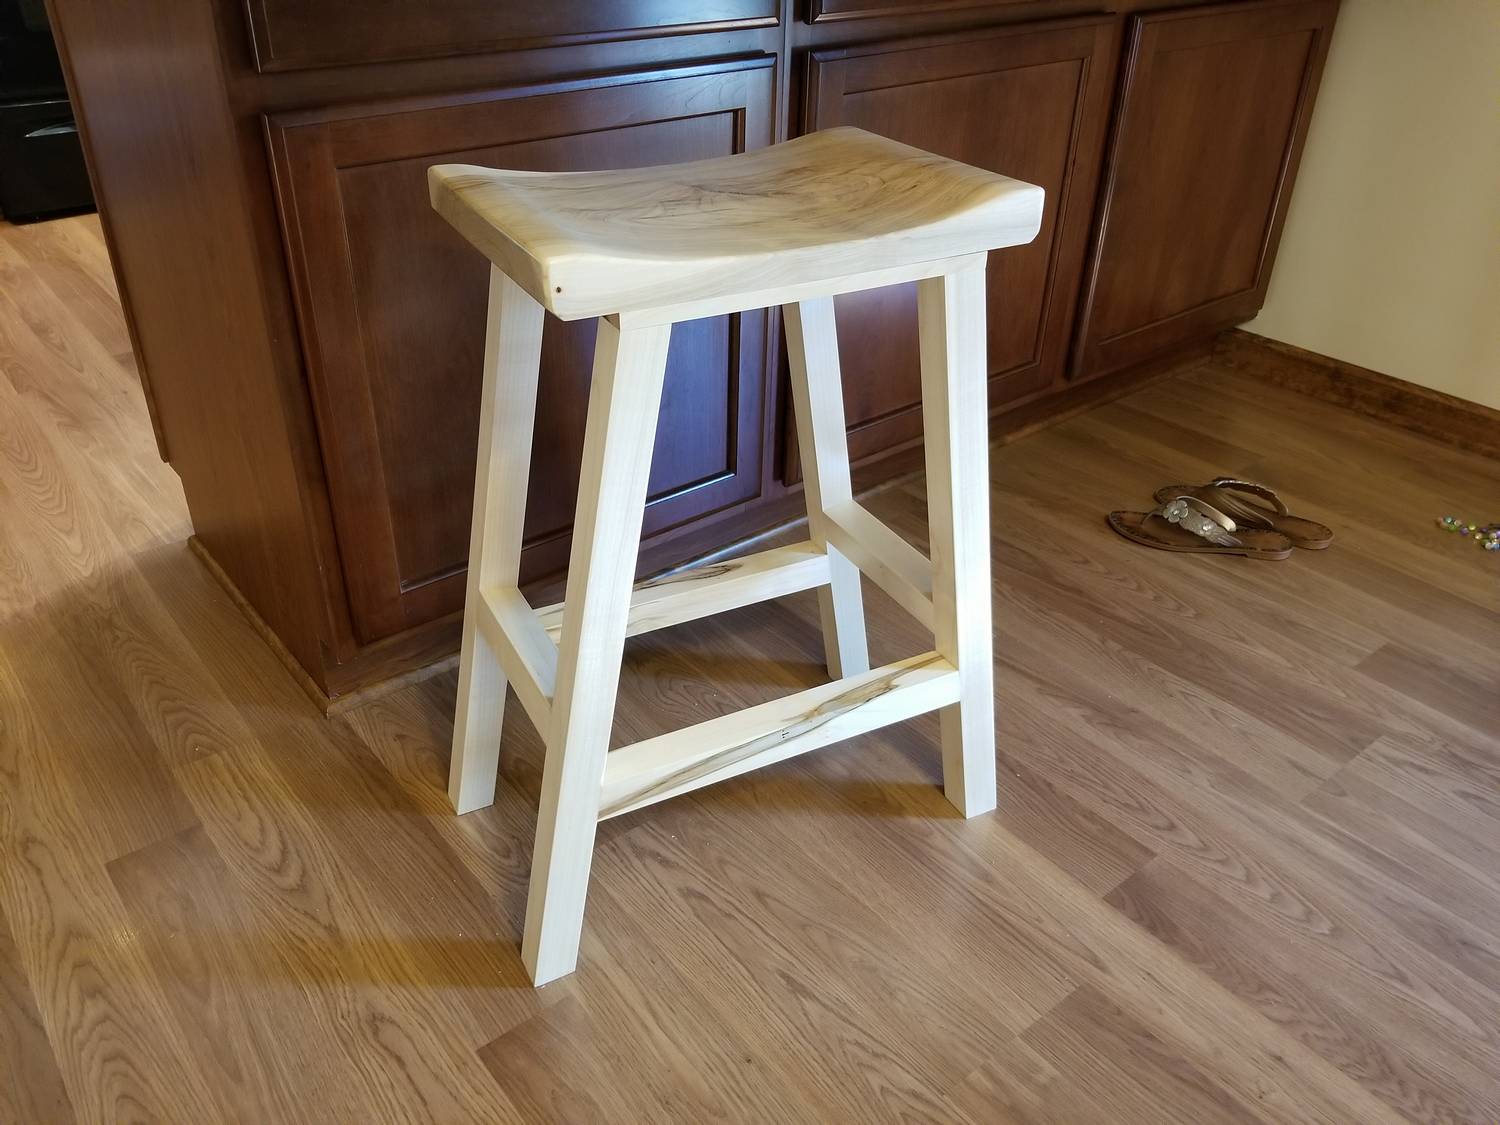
x: 1391, y: 254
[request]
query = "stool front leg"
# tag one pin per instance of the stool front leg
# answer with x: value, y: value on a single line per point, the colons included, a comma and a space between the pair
x: 507, y: 411
x: 955, y: 414
x: 818, y: 401
x: 629, y: 366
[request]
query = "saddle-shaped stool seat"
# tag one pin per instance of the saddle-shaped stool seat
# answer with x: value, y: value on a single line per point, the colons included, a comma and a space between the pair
x: 791, y: 225
x: 833, y: 204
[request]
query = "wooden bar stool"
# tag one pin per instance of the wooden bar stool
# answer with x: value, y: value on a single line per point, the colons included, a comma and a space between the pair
x: 791, y: 225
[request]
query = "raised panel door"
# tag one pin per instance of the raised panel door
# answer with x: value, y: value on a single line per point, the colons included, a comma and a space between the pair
x: 391, y: 304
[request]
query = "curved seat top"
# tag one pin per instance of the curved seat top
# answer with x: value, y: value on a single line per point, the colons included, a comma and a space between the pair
x: 831, y: 204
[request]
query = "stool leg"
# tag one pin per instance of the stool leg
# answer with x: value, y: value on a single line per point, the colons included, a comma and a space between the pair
x: 512, y: 354
x: 818, y: 399
x: 951, y: 314
x: 628, y: 369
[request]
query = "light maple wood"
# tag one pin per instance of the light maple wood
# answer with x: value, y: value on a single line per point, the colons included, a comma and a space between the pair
x: 950, y: 312
x: 641, y: 249
x: 1244, y: 868
x: 507, y: 410
x: 818, y: 400
x: 692, y: 757
x: 525, y: 652
x: 693, y: 592
x: 782, y: 292
x: 889, y: 561
x: 833, y: 203
x: 629, y: 367
x: 568, y: 688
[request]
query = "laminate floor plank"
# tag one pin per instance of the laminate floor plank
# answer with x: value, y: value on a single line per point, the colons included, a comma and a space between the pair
x: 1465, y: 694
x: 1438, y: 774
x: 79, y: 393
x: 558, y: 1067
x: 245, y: 1033
x: 1085, y: 845
x: 1030, y: 903
x: 1020, y: 1087
x: 1337, y: 709
x: 70, y: 260
x: 1407, y: 843
x: 684, y: 1061
x: 1246, y: 865
x: 374, y: 854
x: 797, y: 1024
x: 40, y: 1094
x: 113, y: 1038
x: 96, y: 747
x: 1128, y: 1066
x: 1316, y: 1008
x: 1316, y: 898
x: 383, y: 993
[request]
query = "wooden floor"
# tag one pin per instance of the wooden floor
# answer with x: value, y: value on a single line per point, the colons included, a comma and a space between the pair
x: 1246, y: 867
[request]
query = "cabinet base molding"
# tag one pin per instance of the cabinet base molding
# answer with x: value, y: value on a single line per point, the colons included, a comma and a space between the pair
x: 258, y: 623
x: 1453, y: 421
x: 412, y: 657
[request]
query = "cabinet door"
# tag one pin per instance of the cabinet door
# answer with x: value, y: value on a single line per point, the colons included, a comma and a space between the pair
x: 1214, y: 109
x: 391, y: 304
x: 1028, y: 102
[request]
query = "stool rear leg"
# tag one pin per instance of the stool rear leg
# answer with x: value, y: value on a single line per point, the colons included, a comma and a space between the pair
x: 818, y: 399
x: 955, y: 412
x: 512, y: 355
x: 628, y: 369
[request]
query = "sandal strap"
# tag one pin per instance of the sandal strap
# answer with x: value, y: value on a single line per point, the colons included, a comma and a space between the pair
x: 1201, y: 518
x: 1234, y: 484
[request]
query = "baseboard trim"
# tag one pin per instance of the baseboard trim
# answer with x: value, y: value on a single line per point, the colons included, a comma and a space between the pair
x: 383, y: 683
x: 258, y: 623
x: 1453, y: 421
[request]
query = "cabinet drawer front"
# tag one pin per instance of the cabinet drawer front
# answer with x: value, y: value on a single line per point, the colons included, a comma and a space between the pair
x: 826, y: 11
x: 1214, y: 110
x: 293, y: 34
x: 391, y: 306
x: 1029, y: 102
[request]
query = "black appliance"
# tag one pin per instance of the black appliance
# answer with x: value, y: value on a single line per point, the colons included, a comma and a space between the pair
x: 41, y: 159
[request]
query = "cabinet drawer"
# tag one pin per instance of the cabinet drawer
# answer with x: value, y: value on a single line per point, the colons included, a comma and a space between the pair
x: 291, y: 34
x: 826, y: 11
x: 391, y: 305
x: 41, y: 161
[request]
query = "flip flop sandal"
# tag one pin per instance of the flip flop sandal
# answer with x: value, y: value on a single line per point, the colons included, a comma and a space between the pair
x: 1193, y: 526
x: 1253, y: 505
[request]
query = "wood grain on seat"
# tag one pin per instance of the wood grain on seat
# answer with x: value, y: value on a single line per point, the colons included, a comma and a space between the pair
x: 837, y: 202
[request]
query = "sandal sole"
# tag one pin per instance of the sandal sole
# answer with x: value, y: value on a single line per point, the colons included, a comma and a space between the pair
x: 1133, y: 533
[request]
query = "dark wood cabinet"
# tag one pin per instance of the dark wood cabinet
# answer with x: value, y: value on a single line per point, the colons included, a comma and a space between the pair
x: 825, y: 11
x: 1028, y: 101
x: 391, y: 306
x: 310, y: 333
x: 290, y: 34
x: 1213, y: 112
